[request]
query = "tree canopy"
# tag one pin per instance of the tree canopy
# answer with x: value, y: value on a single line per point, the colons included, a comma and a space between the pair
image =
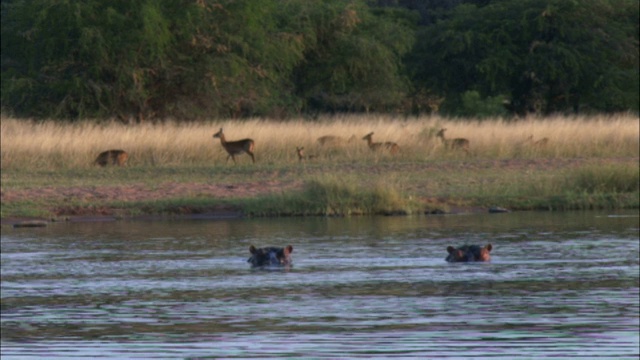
x: 236, y: 58
x: 545, y: 56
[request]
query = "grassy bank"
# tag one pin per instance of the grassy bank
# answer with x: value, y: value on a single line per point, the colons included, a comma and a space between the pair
x: 586, y: 163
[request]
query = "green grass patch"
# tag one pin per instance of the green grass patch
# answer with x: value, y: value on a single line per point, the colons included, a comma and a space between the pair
x: 604, y: 179
x: 607, y: 186
x: 334, y: 196
x: 29, y: 209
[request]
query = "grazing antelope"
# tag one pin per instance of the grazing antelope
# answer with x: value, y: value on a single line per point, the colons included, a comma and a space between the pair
x: 542, y: 142
x: 539, y: 143
x: 375, y: 146
x: 330, y: 139
x: 235, y: 147
x: 334, y: 140
x: 458, y: 143
x: 302, y: 156
x: 112, y: 157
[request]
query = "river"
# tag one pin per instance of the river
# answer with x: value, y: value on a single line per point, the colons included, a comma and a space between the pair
x: 559, y: 285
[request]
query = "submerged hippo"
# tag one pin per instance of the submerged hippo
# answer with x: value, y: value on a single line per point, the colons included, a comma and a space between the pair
x: 270, y: 256
x: 468, y: 253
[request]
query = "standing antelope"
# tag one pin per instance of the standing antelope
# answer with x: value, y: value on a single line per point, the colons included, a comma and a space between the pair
x: 236, y: 147
x: 302, y: 156
x: 112, y: 157
x: 374, y: 146
x: 457, y: 143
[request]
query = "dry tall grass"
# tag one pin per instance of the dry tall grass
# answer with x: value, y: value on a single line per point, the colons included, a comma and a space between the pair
x: 49, y: 144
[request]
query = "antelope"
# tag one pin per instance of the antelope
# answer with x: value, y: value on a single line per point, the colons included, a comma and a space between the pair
x: 457, y: 143
x: 112, y: 157
x: 334, y: 140
x: 302, y: 156
x: 391, y: 146
x: 235, y: 147
x: 539, y: 143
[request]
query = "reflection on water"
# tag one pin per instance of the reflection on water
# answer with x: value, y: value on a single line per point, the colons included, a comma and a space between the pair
x: 559, y: 285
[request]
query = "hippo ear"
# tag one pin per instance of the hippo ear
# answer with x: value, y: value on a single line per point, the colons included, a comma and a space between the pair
x: 288, y: 250
x: 488, y: 247
x: 450, y: 249
x: 252, y: 249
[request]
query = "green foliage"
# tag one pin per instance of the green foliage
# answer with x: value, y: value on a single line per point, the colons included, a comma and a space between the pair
x: 472, y: 104
x: 80, y: 59
x: 550, y: 56
x: 353, y: 61
x: 226, y: 58
x: 242, y: 58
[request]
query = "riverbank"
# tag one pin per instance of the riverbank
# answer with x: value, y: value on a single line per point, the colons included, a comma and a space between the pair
x: 320, y: 189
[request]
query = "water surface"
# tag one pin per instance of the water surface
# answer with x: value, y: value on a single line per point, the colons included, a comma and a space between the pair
x: 559, y: 285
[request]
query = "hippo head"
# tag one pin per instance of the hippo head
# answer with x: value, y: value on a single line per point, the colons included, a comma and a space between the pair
x: 468, y: 253
x: 270, y: 256
x: 456, y: 255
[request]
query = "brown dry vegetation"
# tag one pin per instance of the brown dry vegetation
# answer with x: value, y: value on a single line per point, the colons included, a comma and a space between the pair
x: 48, y: 164
x: 53, y: 145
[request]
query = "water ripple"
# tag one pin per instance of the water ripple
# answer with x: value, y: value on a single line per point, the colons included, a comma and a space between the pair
x: 140, y: 290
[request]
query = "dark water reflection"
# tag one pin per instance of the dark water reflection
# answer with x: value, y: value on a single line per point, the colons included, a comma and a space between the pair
x: 559, y: 285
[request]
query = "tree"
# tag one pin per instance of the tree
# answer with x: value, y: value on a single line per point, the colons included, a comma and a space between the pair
x: 352, y: 61
x: 547, y: 56
x: 194, y: 58
x: 74, y: 59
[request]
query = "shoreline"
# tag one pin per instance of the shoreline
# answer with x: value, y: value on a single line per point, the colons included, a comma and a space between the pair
x: 104, y: 214
x: 30, y: 222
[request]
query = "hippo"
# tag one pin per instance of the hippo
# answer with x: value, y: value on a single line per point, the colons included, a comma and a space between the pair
x: 468, y: 253
x: 270, y: 256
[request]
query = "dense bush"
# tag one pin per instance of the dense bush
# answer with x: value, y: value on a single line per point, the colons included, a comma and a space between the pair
x: 239, y: 58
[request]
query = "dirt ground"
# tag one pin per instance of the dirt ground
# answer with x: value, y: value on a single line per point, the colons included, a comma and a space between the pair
x: 132, y: 193
x: 145, y: 193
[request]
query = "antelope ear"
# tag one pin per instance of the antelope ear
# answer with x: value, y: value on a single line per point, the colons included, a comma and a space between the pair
x: 288, y: 250
x: 450, y: 249
x: 488, y: 247
x: 252, y: 249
